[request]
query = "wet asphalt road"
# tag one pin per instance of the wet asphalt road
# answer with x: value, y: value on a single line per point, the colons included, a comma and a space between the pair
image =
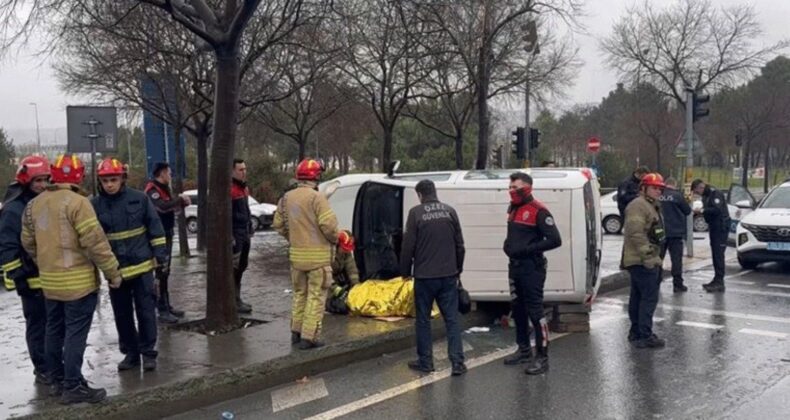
x: 727, y: 356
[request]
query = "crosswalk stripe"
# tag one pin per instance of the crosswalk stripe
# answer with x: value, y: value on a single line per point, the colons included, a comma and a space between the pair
x: 783, y: 286
x: 699, y: 325
x: 762, y: 333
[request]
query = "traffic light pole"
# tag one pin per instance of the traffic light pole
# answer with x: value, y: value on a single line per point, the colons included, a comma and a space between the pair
x: 528, y: 161
x: 690, y: 167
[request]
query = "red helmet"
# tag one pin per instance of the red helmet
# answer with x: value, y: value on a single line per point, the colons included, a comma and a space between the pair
x: 110, y: 167
x: 345, y: 241
x: 68, y: 169
x: 31, y: 167
x: 653, y: 180
x: 309, y: 170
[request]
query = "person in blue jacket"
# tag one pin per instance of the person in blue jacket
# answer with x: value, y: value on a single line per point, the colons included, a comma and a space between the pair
x: 19, y: 270
x: 137, y: 238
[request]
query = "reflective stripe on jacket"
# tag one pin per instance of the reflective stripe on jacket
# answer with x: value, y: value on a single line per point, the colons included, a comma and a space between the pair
x: 305, y: 219
x: 134, y: 230
x: 61, y: 234
x: 15, y: 263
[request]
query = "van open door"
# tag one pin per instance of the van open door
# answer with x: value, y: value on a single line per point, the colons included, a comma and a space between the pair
x: 378, y: 229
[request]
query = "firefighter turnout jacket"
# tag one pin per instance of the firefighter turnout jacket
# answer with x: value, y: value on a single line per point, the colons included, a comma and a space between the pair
x: 134, y: 230
x: 63, y: 237
x: 643, y: 233
x: 16, y: 264
x: 305, y: 219
x: 344, y: 266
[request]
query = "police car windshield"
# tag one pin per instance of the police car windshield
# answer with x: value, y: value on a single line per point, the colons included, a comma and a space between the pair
x: 779, y: 198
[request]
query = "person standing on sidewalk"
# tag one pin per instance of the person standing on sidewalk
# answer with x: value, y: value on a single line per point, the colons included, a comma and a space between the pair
x: 714, y: 209
x: 643, y: 239
x: 309, y: 225
x: 158, y: 191
x: 675, y: 210
x: 433, y: 245
x: 531, y: 231
x: 19, y: 270
x: 628, y: 190
x: 242, y: 228
x: 61, y: 234
x: 136, y: 235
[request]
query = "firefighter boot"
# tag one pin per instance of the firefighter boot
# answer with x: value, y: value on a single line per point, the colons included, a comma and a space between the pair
x: 521, y: 355
x: 540, y: 364
x: 83, y: 393
x: 714, y: 286
x: 296, y: 337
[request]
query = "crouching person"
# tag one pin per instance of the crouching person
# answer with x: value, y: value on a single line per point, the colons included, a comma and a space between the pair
x: 345, y: 274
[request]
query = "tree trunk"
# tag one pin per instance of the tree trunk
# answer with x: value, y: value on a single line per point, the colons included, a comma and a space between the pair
x: 220, y: 288
x: 459, y: 149
x: 658, y: 155
x: 386, y: 153
x: 745, y: 169
x: 302, y: 149
x: 202, y: 180
x: 178, y: 183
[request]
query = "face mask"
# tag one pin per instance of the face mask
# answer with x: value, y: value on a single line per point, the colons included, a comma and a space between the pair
x: 518, y: 196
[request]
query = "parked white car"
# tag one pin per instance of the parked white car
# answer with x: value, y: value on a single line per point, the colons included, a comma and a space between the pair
x: 763, y: 235
x: 262, y: 213
x: 612, y: 222
x: 610, y: 215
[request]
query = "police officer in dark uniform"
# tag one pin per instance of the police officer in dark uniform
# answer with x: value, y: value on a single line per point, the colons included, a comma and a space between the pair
x: 675, y: 210
x: 19, y: 270
x: 138, y: 241
x: 531, y: 231
x: 714, y: 209
x: 158, y: 191
x: 628, y: 190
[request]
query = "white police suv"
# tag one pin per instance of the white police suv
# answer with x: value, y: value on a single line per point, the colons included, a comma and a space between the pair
x: 764, y: 234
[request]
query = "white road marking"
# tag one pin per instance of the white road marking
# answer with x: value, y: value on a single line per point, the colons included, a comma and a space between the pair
x: 763, y: 333
x: 742, y: 273
x: 699, y: 325
x: 743, y: 282
x: 705, y: 311
x: 758, y: 292
x: 434, y: 377
x: 783, y: 286
x: 298, y: 394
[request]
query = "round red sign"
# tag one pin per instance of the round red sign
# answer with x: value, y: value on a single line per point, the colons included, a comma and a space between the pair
x: 593, y: 145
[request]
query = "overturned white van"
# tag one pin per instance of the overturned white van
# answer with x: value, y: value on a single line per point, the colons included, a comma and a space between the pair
x: 375, y: 207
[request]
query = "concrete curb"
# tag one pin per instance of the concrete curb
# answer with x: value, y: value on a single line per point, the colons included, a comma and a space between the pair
x: 171, y: 399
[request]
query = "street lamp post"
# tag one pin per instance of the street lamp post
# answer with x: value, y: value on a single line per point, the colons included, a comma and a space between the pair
x: 38, y: 132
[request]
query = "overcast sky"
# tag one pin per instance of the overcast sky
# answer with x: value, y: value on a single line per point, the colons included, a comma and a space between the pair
x: 24, y: 79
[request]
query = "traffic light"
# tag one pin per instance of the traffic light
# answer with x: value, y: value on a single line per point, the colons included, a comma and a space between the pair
x: 698, y: 101
x: 534, y: 138
x: 519, y: 143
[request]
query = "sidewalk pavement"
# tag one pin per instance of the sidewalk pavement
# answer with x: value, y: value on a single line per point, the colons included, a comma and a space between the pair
x: 194, y: 369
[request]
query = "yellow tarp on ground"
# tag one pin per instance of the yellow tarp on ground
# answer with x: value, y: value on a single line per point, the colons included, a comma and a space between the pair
x: 379, y: 298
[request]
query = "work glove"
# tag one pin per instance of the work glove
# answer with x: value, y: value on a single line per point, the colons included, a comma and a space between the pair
x: 116, y: 282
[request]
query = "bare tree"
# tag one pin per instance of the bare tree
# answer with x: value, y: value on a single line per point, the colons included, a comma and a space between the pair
x: 690, y: 43
x: 383, y: 58
x: 488, y: 35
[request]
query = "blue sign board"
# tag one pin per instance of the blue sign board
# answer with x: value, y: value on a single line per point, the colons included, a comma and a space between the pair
x: 160, y: 144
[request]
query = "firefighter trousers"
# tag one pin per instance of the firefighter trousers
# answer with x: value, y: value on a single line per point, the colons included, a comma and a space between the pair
x: 309, y: 297
x: 136, y: 297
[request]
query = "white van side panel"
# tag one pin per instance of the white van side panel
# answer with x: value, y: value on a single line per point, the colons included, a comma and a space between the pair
x: 483, y: 215
x: 342, y: 202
